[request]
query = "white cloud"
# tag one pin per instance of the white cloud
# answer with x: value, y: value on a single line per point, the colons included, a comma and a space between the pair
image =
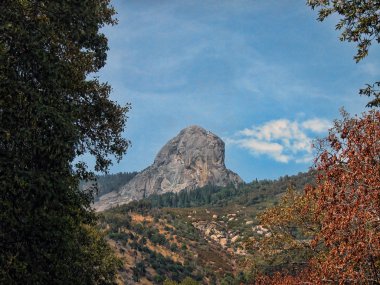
x: 305, y: 159
x: 317, y: 125
x: 282, y: 140
x: 274, y: 150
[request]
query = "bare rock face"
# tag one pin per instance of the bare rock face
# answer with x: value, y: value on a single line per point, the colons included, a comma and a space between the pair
x: 192, y: 159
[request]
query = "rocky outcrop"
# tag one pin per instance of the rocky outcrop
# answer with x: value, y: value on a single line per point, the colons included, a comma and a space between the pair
x: 192, y: 159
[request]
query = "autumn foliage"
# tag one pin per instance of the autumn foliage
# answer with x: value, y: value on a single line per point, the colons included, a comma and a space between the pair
x: 345, y: 205
x: 348, y: 200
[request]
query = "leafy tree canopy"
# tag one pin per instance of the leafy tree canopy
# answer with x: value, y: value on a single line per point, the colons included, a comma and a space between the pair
x: 342, y: 210
x: 52, y: 110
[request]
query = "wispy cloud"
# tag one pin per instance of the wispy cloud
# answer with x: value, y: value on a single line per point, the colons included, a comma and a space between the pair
x: 224, y: 64
x: 282, y: 140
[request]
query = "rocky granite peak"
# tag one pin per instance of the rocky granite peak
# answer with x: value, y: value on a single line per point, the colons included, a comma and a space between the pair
x: 192, y: 159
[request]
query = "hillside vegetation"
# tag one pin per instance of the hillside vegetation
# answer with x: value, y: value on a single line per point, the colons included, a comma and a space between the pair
x: 109, y: 182
x: 208, y: 234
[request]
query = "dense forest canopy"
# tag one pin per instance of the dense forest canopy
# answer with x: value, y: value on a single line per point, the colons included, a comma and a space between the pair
x: 108, y: 182
x: 244, y: 195
x: 53, y: 110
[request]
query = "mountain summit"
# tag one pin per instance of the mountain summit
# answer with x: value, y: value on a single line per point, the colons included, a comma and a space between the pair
x: 192, y: 159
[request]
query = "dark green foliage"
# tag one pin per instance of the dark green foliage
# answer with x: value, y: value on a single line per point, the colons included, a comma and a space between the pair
x: 138, y: 271
x: 359, y: 21
x: 372, y: 90
x: 228, y: 280
x: 185, y: 230
x: 245, y: 194
x: 141, y: 236
x: 141, y: 207
x: 159, y: 279
x: 165, y: 266
x: 119, y: 236
x: 109, y: 182
x: 186, y: 281
x: 53, y: 110
x: 174, y: 247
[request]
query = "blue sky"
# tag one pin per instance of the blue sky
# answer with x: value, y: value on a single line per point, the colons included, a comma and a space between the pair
x: 264, y: 75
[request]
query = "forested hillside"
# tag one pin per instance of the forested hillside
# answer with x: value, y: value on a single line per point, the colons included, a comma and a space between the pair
x: 208, y: 234
x: 244, y: 195
x: 110, y: 182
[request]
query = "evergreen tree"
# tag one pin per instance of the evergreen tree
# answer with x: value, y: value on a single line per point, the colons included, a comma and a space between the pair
x: 52, y: 110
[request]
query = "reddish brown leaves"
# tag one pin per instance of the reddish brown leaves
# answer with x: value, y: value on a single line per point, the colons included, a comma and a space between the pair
x: 348, y: 199
x: 346, y: 205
